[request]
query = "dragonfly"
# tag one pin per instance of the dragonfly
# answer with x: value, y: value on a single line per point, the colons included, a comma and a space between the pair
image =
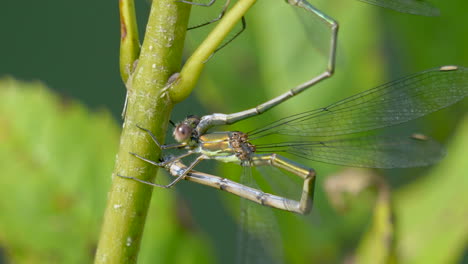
x: 349, y: 132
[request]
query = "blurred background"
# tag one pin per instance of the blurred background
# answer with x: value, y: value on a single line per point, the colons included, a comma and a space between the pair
x: 60, y: 128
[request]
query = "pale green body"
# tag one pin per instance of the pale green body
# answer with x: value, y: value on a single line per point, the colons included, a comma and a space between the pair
x: 217, y: 146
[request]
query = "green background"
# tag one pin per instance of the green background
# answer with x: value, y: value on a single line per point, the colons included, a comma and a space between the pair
x: 58, y: 143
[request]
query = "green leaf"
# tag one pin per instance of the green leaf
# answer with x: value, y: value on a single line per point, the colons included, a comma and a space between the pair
x: 57, y: 159
x: 432, y: 213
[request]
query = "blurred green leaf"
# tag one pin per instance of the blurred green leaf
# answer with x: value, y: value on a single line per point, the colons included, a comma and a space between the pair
x: 432, y: 212
x: 378, y: 243
x: 56, y: 159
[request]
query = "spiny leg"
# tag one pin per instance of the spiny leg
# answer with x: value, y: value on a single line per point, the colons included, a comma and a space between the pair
x: 155, y: 140
x: 220, y: 16
x: 244, y: 26
x: 307, y: 174
x: 223, y: 119
x: 179, y: 177
x: 200, y: 4
x: 163, y: 163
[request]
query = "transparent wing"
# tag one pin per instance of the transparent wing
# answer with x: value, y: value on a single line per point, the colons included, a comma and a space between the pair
x: 390, y: 104
x: 415, y: 7
x: 318, y: 30
x: 370, y: 151
x: 259, y: 239
x: 316, y: 27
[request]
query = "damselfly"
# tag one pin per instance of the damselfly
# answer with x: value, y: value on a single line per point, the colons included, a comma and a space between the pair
x: 343, y: 133
x: 314, y: 15
x: 414, y: 7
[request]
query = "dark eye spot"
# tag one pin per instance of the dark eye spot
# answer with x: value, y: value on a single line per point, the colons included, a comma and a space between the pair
x: 182, y: 133
x: 183, y: 130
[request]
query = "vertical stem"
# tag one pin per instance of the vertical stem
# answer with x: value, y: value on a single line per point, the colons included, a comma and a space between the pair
x: 148, y: 106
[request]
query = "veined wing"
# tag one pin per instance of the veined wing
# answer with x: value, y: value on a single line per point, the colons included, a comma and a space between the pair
x: 390, y: 104
x: 415, y: 7
x: 370, y: 151
x: 259, y: 238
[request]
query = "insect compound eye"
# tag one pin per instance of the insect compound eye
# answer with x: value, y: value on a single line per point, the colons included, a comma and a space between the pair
x: 182, y: 132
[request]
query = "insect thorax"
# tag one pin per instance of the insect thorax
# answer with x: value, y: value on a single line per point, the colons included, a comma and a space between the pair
x: 240, y: 144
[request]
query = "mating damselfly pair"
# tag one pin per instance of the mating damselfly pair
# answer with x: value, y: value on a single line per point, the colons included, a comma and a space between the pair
x: 343, y: 133
x: 349, y: 132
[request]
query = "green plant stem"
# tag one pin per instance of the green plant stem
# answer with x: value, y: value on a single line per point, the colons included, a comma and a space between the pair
x: 183, y: 86
x: 129, y: 41
x: 148, y: 106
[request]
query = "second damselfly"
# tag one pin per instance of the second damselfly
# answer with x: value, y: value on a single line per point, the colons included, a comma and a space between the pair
x: 349, y: 132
